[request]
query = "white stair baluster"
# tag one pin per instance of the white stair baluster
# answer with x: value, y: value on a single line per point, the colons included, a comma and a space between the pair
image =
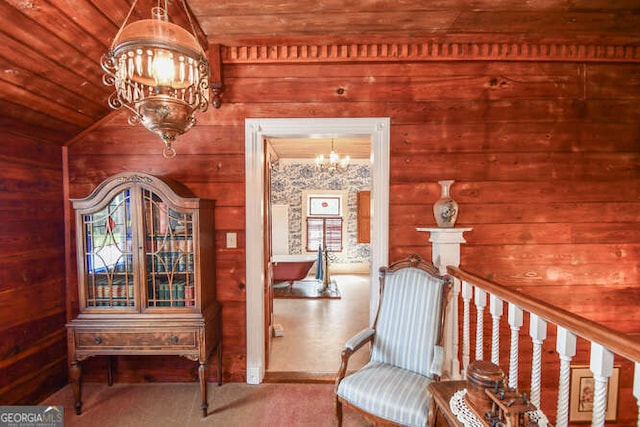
x: 480, y: 300
x: 467, y: 292
x: 515, y: 321
x: 538, y: 333
x: 495, y: 307
x: 602, y: 367
x: 566, y: 348
x: 636, y: 387
x: 455, y: 362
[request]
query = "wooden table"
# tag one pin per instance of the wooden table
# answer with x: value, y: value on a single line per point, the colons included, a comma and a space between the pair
x: 442, y: 392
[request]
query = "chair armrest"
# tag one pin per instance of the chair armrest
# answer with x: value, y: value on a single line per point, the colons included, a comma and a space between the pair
x: 351, y: 346
x: 359, y: 339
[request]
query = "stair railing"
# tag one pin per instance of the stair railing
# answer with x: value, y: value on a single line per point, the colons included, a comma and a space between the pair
x: 604, y: 342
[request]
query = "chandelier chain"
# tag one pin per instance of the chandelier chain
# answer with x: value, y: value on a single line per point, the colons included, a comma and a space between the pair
x: 187, y: 11
x: 124, y: 24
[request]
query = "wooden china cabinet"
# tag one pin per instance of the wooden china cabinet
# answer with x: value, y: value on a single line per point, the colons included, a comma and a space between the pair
x: 146, y: 276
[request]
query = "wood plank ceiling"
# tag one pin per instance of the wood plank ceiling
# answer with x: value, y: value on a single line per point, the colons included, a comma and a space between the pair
x: 51, y: 82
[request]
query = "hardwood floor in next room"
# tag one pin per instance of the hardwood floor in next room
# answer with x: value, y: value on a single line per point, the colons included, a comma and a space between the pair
x: 315, y: 330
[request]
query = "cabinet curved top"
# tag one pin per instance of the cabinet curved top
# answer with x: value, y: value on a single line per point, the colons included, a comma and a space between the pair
x: 172, y: 191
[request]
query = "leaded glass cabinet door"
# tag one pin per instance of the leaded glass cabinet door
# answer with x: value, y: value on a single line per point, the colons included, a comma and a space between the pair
x: 107, y: 256
x: 169, y: 253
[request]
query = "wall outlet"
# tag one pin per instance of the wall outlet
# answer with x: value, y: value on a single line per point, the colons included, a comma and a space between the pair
x: 232, y: 240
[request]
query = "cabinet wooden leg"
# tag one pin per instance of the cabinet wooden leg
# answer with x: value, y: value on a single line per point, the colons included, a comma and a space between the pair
x: 219, y: 355
x: 202, y: 373
x: 75, y: 377
x: 110, y: 371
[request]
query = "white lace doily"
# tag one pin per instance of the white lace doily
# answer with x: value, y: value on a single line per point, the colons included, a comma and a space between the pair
x: 463, y: 413
x: 468, y: 418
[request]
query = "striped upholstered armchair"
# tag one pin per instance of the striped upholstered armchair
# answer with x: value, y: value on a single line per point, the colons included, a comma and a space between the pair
x: 406, y: 351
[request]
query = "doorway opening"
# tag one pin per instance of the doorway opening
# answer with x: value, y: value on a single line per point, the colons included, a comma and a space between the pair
x: 256, y: 133
x: 312, y: 316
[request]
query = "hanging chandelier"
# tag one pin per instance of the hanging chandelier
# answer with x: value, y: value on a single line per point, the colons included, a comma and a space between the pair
x: 333, y: 163
x: 160, y: 73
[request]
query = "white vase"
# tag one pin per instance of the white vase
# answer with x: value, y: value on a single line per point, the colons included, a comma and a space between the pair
x: 445, y: 209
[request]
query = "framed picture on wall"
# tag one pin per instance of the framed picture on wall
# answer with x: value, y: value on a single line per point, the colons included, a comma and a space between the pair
x: 582, y: 393
x: 324, y: 205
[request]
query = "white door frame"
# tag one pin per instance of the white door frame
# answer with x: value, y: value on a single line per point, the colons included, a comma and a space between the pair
x: 256, y: 130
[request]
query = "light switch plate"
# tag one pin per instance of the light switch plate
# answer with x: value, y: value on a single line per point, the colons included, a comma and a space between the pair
x: 232, y: 240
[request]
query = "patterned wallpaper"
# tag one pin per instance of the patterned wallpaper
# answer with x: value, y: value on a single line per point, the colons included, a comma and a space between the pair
x: 290, y: 180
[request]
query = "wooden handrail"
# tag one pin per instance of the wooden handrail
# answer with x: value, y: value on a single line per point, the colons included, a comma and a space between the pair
x: 617, y: 342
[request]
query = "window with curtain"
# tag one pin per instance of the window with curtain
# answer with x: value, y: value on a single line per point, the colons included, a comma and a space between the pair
x: 325, y: 232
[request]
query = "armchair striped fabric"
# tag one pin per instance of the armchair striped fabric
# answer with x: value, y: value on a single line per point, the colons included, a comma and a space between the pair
x: 406, y: 353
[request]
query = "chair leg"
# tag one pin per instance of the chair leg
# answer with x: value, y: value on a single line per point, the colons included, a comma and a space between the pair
x: 339, y: 412
x: 431, y: 415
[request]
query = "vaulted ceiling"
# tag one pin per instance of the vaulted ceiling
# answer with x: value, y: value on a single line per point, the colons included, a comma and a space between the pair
x: 51, y: 80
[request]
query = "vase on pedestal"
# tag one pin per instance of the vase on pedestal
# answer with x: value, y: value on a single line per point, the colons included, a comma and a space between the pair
x: 445, y: 209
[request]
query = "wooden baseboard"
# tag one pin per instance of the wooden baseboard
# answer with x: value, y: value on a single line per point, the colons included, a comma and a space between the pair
x: 300, y: 377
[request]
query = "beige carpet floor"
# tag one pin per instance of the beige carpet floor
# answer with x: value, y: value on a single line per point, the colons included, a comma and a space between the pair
x: 314, y: 332
x: 178, y: 404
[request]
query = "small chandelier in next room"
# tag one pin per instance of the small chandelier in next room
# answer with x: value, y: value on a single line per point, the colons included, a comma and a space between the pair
x: 333, y: 163
x: 160, y: 73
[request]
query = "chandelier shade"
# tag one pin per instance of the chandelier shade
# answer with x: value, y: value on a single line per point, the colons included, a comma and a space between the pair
x: 160, y: 73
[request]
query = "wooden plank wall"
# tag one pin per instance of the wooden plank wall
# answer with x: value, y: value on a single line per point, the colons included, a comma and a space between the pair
x: 545, y: 156
x: 33, y: 356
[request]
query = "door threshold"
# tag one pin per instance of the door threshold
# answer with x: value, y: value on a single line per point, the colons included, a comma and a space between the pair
x: 300, y: 377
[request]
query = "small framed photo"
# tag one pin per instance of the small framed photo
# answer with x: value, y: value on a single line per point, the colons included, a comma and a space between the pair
x: 324, y: 205
x: 582, y: 391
